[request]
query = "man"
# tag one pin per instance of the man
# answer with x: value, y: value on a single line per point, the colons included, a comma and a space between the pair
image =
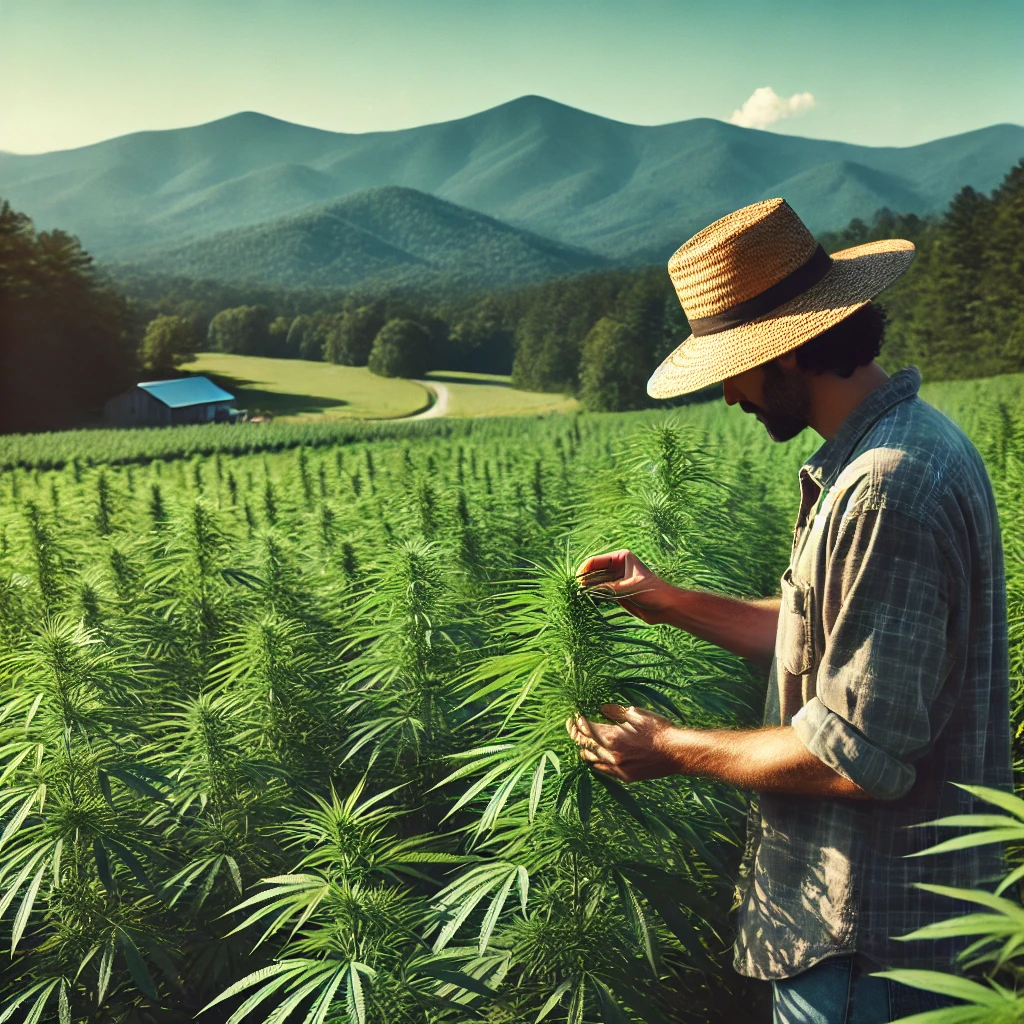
x: 888, y: 646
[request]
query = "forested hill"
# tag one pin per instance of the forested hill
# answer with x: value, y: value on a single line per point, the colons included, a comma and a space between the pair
x: 390, y: 236
x: 628, y: 192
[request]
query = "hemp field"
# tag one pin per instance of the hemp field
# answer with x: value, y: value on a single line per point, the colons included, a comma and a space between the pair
x: 283, y: 724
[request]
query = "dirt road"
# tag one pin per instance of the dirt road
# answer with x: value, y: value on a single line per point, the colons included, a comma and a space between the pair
x: 442, y: 396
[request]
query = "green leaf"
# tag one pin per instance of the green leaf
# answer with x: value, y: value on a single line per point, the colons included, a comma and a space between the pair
x: 975, y: 821
x: 650, y: 696
x: 477, y: 786
x: 1007, y: 801
x: 468, y: 905
x: 1010, y: 880
x: 625, y: 800
x: 23, y: 812
x: 971, y: 840
x: 308, y: 985
x: 611, y: 1012
x: 272, y: 985
x: 21, y: 920
x: 494, y: 911
x: 63, y: 1004
x: 979, y: 896
x: 946, y: 985
x: 41, y: 990
x: 585, y: 796
x: 675, y: 919
x: 457, y: 978
x: 104, y: 780
x: 638, y: 918
x: 537, y: 786
x: 130, y: 861
x: 15, y: 886
x: 319, y: 1010
x: 357, y: 1000
x: 242, y: 577
x: 105, y: 971
x: 136, y: 965
x: 524, y: 885
x: 565, y: 787
x: 553, y: 1000
x: 498, y: 801
x: 285, y: 967
x: 103, y: 865
x: 129, y: 775
x: 994, y: 925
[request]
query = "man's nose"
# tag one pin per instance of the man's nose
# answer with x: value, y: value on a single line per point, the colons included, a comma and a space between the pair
x: 732, y: 396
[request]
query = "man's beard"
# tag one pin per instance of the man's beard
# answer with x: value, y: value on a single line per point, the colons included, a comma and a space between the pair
x: 787, y: 403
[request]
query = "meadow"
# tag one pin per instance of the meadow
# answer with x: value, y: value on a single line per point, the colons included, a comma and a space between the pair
x: 283, y: 714
x: 302, y: 390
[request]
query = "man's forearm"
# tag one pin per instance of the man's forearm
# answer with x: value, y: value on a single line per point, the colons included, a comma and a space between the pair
x: 770, y: 760
x: 744, y: 627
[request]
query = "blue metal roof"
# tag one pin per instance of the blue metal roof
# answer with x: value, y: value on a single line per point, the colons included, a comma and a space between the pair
x: 177, y: 394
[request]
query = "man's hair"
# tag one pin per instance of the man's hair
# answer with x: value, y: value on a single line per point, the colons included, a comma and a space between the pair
x: 847, y: 345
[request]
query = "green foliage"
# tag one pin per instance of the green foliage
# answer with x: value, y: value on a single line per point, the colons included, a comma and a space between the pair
x: 304, y: 339
x: 350, y: 335
x: 283, y: 733
x: 168, y: 342
x: 400, y: 350
x: 613, y: 373
x: 244, y: 330
x: 381, y: 237
x: 282, y: 726
x: 958, y: 312
x: 67, y: 339
x: 998, y: 929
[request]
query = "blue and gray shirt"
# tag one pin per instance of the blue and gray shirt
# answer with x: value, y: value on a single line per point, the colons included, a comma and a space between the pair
x: 891, y: 664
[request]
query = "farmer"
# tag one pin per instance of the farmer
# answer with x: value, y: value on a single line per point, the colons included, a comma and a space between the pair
x: 888, y: 645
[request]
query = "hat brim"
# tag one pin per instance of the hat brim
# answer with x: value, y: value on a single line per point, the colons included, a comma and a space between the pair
x: 857, y: 275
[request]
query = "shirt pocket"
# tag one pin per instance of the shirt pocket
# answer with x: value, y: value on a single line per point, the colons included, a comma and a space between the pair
x: 794, y: 642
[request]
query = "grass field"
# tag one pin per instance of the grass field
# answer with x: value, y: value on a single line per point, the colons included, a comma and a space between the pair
x: 489, y: 394
x: 300, y: 389
x: 297, y: 388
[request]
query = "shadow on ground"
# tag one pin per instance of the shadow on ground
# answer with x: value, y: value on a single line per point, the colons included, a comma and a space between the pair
x: 281, y: 403
x: 445, y: 378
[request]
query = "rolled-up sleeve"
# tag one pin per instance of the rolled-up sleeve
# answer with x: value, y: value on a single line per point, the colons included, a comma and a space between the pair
x: 887, y: 609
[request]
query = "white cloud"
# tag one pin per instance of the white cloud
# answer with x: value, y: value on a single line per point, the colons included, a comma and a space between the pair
x: 765, y: 107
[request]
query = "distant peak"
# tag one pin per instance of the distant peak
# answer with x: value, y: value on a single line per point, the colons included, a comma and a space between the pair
x: 248, y: 120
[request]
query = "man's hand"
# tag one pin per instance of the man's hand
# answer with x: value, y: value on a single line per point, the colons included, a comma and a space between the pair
x: 746, y: 628
x: 643, y: 745
x: 640, y: 745
x: 622, y: 576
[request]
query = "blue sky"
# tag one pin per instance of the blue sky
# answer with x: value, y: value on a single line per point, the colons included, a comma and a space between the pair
x: 879, y: 72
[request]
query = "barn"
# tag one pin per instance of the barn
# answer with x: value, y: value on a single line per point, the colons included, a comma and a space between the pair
x: 165, y: 403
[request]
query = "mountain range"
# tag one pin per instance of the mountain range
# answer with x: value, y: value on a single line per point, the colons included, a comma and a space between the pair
x: 572, y: 188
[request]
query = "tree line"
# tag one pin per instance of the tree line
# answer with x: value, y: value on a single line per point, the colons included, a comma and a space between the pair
x: 71, y: 339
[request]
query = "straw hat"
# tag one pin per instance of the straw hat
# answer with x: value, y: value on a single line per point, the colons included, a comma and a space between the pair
x: 755, y: 285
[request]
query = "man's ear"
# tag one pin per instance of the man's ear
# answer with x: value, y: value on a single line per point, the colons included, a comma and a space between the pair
x: 787, y: 361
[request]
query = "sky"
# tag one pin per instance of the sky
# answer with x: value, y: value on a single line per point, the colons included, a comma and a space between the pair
x: 874, y: 72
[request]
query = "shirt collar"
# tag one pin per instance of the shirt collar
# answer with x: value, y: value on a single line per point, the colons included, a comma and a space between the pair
x: 826, y: 463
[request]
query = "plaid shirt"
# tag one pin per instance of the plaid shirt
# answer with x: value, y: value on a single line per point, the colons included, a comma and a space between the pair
x: 891, y: 664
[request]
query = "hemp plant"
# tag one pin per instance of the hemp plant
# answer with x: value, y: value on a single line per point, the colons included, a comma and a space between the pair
x: 601, y: 872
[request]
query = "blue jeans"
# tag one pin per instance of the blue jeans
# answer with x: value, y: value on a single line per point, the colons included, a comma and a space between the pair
x: 840, y: 990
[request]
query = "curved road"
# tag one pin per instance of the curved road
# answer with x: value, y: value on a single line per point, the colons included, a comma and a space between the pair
x: 442, y: 397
